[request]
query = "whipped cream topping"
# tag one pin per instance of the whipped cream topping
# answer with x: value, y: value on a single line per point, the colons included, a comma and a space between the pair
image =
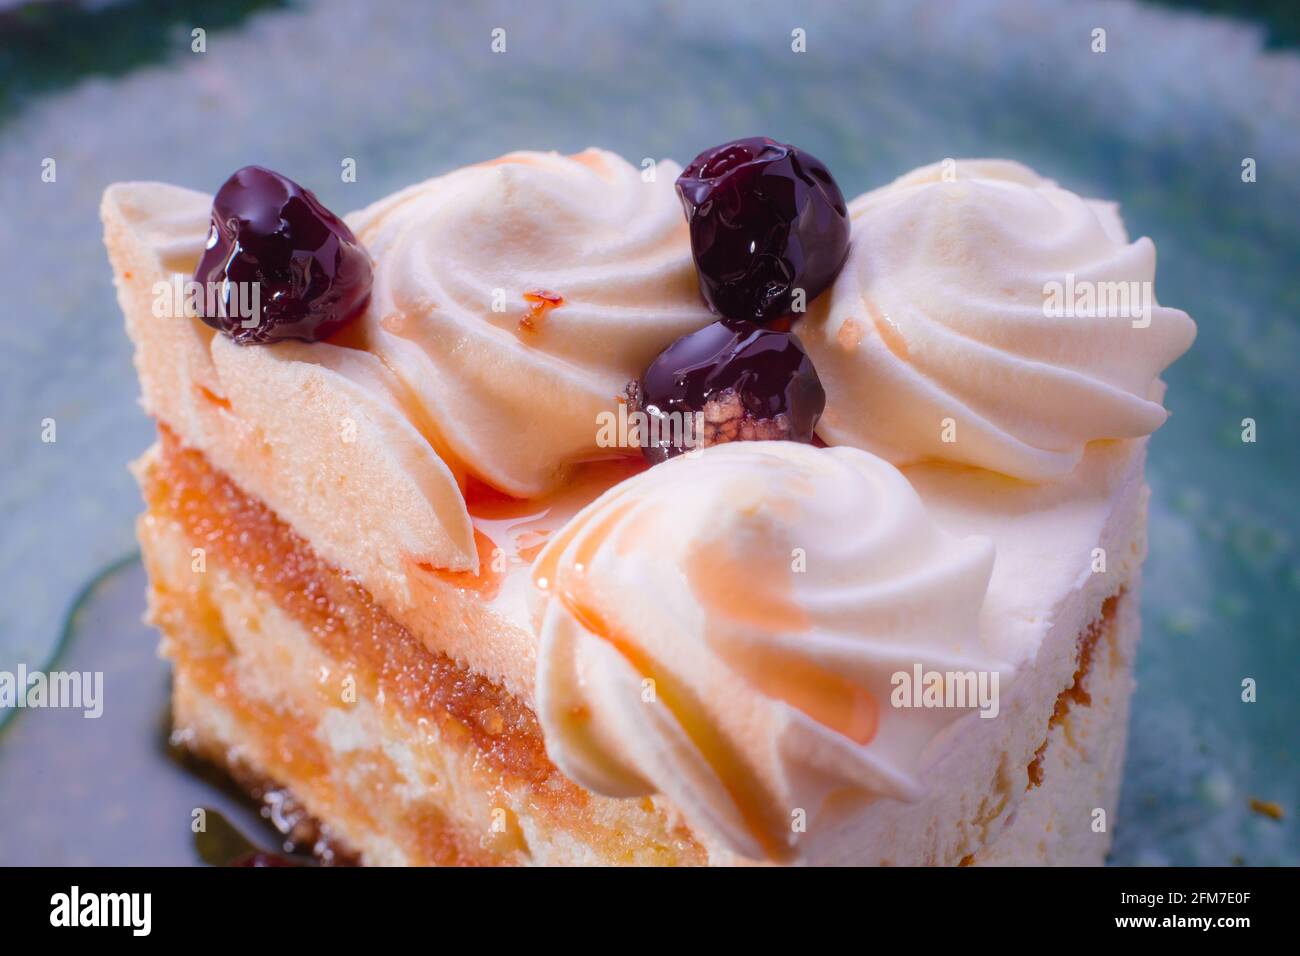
x: 723, y: 629
x: 516, y: 298
x: 961, y: 326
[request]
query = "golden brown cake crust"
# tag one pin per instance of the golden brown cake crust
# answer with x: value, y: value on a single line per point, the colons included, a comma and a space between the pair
x: 243, y: 538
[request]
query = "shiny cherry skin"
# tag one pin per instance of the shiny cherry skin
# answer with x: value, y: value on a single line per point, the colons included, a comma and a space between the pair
x: 310, y: 275
x: 766, y: 219
x: 750, y: 383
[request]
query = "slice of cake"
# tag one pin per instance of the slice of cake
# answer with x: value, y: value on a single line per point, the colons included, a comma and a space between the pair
x: 474, y: 533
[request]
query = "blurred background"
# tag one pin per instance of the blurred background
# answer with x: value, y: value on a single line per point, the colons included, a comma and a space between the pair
x: 1161, y: 121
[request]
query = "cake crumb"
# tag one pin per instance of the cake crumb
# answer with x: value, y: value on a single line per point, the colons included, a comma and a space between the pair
x: 1268, y: 808
x: 726, y: 420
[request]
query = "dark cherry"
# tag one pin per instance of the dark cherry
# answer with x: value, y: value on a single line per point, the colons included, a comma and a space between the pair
x: 312, y: 275
x: 751, y: 383
x: 765, y: 219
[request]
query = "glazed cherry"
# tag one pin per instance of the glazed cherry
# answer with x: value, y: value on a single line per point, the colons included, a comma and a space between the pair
x: 278, y: 264
x: 751, y: 383
x: 765, y: 219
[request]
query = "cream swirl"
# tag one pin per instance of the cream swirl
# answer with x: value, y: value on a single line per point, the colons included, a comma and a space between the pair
x: 516, y: 298
x: 992, y: 318
x: 723, y: 630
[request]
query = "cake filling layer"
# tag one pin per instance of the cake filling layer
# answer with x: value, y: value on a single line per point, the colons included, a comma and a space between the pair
x: 272, y: 645
x: 424, y: 761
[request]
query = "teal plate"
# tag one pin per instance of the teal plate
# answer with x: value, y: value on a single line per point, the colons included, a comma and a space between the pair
x: 1161, y: 122
x: 121, y: 795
